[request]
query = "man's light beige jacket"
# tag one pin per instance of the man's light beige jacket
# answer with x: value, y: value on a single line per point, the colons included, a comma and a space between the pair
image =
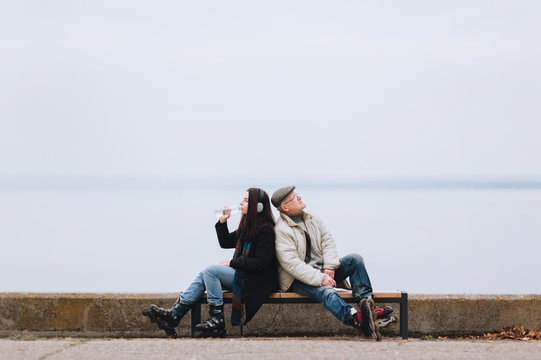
x: 291, y: 250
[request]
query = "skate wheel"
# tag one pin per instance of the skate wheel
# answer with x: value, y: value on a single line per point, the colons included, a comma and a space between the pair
x: 148, y: 313
x: 384, y: 322
x: 203, y: 334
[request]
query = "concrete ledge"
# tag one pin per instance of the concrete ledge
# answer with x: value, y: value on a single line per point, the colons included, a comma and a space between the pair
x: 472, y: 314
x: 119, y: 315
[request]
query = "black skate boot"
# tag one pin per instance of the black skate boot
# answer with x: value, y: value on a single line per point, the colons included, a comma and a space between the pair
x: 364, y: 319
x: 169, y: 330
x: 214, y: 326
x: 167, y: 319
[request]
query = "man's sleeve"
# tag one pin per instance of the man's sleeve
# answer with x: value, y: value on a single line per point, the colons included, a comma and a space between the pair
x: 287, y: 255
x: 331, y: 260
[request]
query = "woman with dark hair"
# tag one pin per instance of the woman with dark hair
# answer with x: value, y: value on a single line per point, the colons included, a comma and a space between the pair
x: 251, y: 274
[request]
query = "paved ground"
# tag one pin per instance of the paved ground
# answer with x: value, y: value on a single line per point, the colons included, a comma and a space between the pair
x: 266, y: 348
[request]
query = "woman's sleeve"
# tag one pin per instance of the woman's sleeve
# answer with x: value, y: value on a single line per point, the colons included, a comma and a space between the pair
x: 227, y: 240
x: 264, y: 254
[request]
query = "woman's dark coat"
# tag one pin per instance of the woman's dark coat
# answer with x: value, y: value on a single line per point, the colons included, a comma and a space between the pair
x: 260, y: 267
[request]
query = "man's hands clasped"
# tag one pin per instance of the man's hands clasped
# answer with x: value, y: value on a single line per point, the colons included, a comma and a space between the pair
x: 329, y: 279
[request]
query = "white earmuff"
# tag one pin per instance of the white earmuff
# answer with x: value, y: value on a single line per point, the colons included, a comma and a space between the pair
x: 260, y: 206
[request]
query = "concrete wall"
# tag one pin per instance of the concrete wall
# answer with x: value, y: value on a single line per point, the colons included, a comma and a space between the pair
x: 119, y: 315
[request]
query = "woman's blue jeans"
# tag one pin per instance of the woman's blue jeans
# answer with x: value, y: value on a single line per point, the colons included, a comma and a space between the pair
x: 351, y: 266
x: 213, y: 279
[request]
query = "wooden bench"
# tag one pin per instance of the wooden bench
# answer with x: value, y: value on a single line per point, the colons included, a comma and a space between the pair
x: 293, y: 298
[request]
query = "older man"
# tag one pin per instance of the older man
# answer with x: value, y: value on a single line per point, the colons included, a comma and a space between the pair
x: 309, y: 264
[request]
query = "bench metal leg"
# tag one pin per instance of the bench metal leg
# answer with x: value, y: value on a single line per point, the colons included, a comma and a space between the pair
x: 196, y: 316
x: 404, y: 316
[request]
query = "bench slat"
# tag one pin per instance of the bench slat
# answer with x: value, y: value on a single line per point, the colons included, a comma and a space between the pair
x: 292, y: 295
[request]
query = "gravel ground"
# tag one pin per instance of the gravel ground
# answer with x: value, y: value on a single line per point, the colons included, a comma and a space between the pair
x: 266, y: 348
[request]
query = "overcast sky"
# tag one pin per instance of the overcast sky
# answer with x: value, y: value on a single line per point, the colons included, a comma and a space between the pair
x: 270, y: 89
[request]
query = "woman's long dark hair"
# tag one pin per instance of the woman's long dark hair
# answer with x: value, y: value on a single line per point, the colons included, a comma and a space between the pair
x: 252, y: 220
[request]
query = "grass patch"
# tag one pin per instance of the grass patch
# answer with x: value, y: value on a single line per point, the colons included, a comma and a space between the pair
x: 23, y: 337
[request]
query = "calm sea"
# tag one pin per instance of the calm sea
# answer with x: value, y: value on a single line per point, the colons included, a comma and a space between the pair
x: 419, y: 240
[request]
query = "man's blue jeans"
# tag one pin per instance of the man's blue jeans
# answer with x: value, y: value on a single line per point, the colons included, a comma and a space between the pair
x: 214, y: 278
x: 351, y: 266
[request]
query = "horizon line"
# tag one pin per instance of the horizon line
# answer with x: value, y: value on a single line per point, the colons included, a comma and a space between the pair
x: 118, y: 182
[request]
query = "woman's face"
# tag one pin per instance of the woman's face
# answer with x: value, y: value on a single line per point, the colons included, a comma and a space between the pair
x: 244, y: 204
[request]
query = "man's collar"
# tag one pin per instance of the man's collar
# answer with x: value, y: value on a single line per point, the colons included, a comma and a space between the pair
x: 290, y: 222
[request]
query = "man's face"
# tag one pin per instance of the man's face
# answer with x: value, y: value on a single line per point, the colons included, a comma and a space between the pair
x: 293, y: 204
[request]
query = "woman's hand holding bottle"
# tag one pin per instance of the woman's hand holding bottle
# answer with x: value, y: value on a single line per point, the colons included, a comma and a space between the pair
x: 226, y: 214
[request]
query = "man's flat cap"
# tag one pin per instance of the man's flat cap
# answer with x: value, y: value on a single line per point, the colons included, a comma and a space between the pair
x: 279, y: 195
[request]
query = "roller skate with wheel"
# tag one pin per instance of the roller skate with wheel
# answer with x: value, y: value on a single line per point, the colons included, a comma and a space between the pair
x: 214, y: 326
x: 364, y: 319
x: 167, y: 319
x: 383, y: 316
x: 169, y: 330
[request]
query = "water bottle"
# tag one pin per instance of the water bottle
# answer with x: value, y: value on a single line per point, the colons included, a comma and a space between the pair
x: 235, y: 209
